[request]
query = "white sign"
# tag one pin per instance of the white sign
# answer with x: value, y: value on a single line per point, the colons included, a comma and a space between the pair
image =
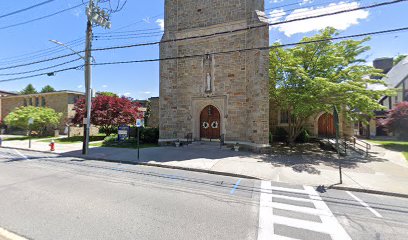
x: 85, y: 121
x: 138, y: 122
x: 30, y: 121
x: 122, y: 132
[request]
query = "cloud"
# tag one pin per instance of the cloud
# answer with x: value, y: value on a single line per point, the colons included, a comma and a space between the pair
x: 127, y: 94
x: 339, y: 21
x: 104, y: 86
x: 79, y: 86
x: 160, y: 22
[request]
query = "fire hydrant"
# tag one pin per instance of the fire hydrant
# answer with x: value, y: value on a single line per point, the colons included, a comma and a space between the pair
x: 52, y: 145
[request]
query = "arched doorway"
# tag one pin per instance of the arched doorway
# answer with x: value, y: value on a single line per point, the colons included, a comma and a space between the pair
x: 210, y: 123
x: 326, y: 125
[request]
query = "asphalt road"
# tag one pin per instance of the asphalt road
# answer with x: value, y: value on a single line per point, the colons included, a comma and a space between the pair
x: 46, y: 197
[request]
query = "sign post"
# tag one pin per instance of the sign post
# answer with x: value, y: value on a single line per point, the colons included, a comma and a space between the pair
x: 336, y: 125
x: 30, y: 122
x: 138, y: 126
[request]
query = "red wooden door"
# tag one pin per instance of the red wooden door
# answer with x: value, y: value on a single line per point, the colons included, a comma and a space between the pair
x: 210, y: 123
x: 326, y: 126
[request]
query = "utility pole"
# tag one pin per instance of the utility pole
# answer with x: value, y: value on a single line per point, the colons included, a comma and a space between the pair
x: 99, y: 17
x: 88, y: 76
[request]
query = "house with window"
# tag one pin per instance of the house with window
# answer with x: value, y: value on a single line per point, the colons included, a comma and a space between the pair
x: 397, y: 78
x: 61, y: 101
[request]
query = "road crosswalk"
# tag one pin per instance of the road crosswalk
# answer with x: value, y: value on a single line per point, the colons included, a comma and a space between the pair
x: 303, y: 215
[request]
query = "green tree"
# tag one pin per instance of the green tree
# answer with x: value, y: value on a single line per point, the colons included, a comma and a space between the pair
x: 44, y: 118
x: 398, y: 59
x: 47, y: 89
x: 313, y: 77
x: 108, y: 94
x: 29, y: 90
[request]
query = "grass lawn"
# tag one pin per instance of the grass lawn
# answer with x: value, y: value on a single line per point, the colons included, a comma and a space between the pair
x: 76, y: 139
x: 399, y: 146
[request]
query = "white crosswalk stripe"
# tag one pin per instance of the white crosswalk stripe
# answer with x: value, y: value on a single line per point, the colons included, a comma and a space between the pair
x: 328, y: 224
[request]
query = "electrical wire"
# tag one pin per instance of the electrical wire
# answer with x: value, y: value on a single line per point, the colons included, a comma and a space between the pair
x: 223, y: 52
x: 41, y: 69
x: 26, y: 9
x: 215, y: 34
x: 40, y: 18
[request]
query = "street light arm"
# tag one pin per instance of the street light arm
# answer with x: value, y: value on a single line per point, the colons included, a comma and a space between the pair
x: 61, y: 44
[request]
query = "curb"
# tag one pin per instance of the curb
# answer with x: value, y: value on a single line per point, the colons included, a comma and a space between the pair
x: 145, y: 164
x: 10, y: 235
x: 213, y: 172
x: 391, y: 194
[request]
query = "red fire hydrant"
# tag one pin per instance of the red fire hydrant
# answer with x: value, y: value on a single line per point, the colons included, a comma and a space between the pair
x: 52, y: 145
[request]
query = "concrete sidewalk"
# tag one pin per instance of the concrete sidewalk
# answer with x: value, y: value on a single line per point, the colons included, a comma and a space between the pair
x: 383, y: 170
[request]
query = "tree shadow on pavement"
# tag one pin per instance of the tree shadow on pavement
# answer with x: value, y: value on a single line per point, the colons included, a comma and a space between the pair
x: 309, y: 157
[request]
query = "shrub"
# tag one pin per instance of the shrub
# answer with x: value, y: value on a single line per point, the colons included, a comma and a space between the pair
x: 303, y: 137
x: 281, y: 135
x: 149, y: 135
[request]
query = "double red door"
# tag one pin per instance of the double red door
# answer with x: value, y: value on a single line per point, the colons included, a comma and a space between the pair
x: 210, y: 127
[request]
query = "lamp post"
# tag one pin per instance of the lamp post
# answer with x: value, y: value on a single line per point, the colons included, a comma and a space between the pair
x: 95, y: 15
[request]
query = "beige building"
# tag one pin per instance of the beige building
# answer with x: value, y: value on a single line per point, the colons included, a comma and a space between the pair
x: 212, y: 95
x: 61, y: 101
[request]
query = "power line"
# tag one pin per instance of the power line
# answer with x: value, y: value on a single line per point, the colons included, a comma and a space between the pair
x: 252, y: 27
x: 41, y: 55
x: 215, y: 34
x: 262, y: 48
x: 26, y: 9
x: 41, y: 69
x: 223, y: 52
x: 69, y: 43
x: 40, y: 18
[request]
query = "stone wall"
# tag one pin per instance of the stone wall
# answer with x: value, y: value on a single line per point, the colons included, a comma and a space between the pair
x: 311, y: 125
x: 154, y: 112
x: 239, y: 78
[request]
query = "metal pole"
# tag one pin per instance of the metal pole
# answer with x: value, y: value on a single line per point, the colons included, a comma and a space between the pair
x: 138, y: 143
x: 29, y: 138
x: 88, y: 76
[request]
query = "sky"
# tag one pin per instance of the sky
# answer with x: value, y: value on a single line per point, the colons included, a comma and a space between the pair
x: 30, y: 42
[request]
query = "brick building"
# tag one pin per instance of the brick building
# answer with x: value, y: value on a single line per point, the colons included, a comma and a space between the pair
x: 61, y: 101
x: 212, y: 94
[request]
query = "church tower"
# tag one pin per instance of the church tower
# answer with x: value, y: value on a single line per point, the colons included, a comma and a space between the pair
x: 215, y: 85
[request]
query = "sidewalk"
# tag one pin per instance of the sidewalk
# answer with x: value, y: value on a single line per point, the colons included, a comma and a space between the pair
x: 384, y: 170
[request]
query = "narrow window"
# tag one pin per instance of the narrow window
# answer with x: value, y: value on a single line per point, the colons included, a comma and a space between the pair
x: 43, y: 101
x: 25, y: 102
x: 30, y: 101
x: 37, y: 101
x: 284, y: 117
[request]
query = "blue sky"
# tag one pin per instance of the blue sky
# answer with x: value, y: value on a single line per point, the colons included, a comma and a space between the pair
x: 141, y: 80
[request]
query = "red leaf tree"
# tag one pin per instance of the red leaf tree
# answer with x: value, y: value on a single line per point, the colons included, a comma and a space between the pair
x: 108, y: 112
x: 397, y: 120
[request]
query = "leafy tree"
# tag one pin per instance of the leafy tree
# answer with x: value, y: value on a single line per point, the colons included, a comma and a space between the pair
x: 399, y: 58
x: 108, y: 112
x: 109, y: 94
x: 29, y: 90
x: 397, y: 120
x: 47, y: 89
x: 314, y: 77
x: 43, y: 118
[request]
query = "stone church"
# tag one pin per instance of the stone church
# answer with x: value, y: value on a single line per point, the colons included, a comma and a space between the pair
x: 207, y: 88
